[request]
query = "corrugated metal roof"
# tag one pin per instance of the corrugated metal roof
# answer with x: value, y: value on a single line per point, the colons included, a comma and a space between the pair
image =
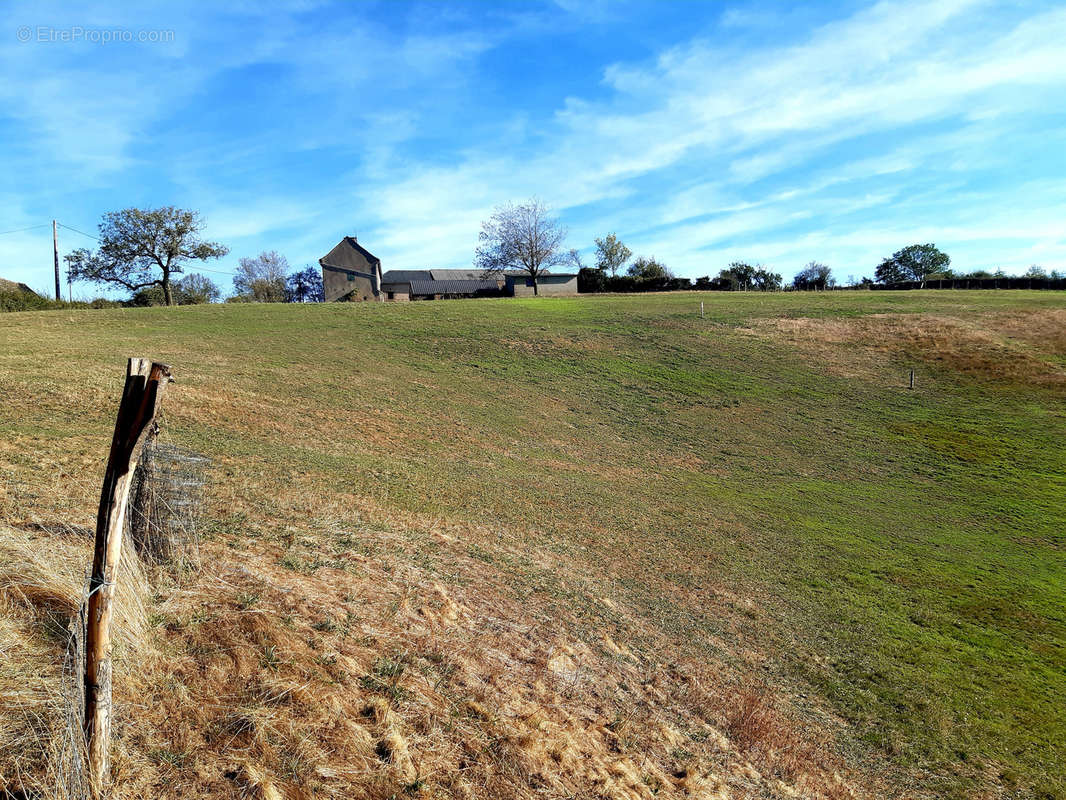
x: 452, y: 287
x: 458, y: 274
x: 406, y: 275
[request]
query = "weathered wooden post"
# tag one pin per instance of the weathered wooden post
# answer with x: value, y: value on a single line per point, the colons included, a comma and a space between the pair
x: 912, y: 379
x: 145, y: 382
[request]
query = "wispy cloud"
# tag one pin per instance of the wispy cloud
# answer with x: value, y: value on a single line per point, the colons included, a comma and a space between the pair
x: 920, y: 88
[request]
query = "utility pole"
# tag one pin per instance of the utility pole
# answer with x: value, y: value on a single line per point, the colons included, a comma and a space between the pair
x: 55, y: 257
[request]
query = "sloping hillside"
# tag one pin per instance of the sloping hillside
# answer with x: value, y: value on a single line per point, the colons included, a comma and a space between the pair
x: 596, y: 547
x: 15, y: 287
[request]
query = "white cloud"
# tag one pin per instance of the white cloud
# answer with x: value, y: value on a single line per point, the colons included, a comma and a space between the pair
x: 864, y: 129
x: 751, y: 116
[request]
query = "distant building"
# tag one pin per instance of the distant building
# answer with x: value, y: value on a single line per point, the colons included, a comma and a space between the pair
x: 434, y: 284
x: 351, y: 272
x: 519, y: 284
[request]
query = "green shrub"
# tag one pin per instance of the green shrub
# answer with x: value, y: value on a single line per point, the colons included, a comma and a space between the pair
x: 26, y: 301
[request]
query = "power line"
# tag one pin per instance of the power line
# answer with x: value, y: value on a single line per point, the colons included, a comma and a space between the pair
x: 205, y: 269
x: 83, y: 233
x: 31, y: 228
x: 196, y: 269
x: 96, y: 239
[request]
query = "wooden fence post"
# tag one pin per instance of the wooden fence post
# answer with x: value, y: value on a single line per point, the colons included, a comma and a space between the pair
x: 143, y: 391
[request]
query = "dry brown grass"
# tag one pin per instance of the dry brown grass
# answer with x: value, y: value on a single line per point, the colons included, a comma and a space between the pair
x: 992, y: 346
x: 374, y: 678
x: 751, y: 721
x: 334, y: 646
x: 42, y: 575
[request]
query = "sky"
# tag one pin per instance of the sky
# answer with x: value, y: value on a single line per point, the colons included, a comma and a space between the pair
x: 700, y: 132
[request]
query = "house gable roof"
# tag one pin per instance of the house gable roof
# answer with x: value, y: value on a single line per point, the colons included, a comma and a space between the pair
x: 344, y: 255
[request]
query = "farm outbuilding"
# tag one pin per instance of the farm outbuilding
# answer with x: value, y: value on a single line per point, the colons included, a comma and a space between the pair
x: 351, y: 272
x: 519, y: 284
x: 433, y: 284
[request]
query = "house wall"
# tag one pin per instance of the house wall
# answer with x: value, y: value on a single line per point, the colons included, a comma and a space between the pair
x: 396, y: 292
x: 338, y: 266
x: 547, y: 285
x: 345, y: 284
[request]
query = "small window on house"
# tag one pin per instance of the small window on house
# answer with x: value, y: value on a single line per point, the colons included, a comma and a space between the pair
x: 351, y: 277
x: 529, y: 281
x: 389, y: 294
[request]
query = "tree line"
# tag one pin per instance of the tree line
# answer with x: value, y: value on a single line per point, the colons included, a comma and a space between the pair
x: 528, y: 239
x: 150, y: 252
x: 915, y: 264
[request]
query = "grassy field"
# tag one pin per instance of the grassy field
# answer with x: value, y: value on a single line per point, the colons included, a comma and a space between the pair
x: 756, y: 494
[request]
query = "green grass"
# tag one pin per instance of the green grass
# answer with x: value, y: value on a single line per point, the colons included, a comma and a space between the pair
x: 904, y: 550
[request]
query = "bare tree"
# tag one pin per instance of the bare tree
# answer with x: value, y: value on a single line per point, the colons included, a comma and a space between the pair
x: 523, y: 238
x: 573, y: 258
x: 305, y: 286
x: 262, y: 279
x: 135, y: 242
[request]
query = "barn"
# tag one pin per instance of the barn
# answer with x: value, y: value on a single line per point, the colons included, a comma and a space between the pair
x: 434, y: 284
x: 350, y: 272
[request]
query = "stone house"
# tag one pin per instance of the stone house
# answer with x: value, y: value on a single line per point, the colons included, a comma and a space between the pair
x: 350, y: 272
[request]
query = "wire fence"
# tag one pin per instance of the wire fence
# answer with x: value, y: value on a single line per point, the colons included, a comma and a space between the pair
x: 166, y: 502
x: 70, y: 772
x: 163, y: 521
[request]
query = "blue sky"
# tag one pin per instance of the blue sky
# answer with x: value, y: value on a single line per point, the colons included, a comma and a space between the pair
x: 700, y: 132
